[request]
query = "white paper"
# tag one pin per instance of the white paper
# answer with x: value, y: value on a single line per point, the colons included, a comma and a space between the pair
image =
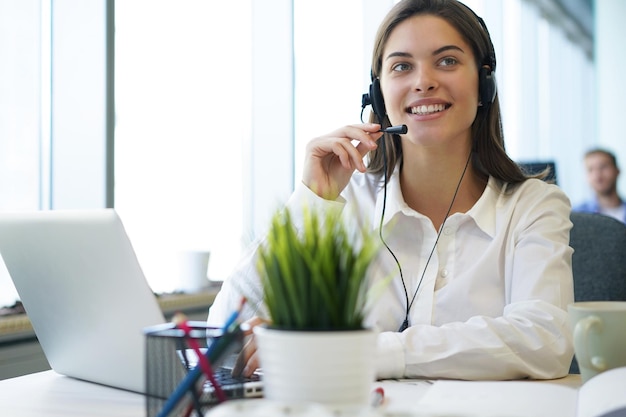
x: 501, y: 399
x: 603, y: 393
x: 403, y: 396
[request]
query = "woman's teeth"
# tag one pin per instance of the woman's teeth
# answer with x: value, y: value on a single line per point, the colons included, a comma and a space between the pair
x: 431, y: 108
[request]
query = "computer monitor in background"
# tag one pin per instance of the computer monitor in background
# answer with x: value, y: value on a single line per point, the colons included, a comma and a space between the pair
x: 537, y: 167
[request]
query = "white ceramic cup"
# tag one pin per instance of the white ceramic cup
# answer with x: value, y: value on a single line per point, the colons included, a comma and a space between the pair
x: 193, y: 266
x: 599, y: 336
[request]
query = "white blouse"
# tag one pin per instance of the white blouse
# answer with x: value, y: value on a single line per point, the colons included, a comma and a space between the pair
x: 492, y: 302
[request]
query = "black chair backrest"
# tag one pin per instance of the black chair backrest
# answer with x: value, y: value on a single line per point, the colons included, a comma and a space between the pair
x: 599, y: 259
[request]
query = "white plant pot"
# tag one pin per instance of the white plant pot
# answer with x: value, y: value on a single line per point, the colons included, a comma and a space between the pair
x: 329, y: 367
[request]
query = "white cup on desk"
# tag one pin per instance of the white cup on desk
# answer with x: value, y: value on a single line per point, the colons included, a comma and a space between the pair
x: 599, y: 336
x: 193, y: 267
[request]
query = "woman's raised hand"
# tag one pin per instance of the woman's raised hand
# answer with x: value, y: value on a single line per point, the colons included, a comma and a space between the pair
x: 331, y: 159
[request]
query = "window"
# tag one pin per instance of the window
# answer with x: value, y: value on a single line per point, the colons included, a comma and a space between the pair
x: 183, y: 88
x: 52, y: 159
x: 21, y: 136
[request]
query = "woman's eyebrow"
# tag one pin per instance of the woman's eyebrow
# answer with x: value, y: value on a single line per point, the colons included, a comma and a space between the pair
x: 435, y: 52
x: 447, y: 48
x: 400, y: 54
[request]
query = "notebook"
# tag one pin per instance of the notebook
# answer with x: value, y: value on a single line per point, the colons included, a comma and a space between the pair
x: 85, y: 294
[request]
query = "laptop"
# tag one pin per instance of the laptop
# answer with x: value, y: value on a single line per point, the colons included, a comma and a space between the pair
x: 85, y: 294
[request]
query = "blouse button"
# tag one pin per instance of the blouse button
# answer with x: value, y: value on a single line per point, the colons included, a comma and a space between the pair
x: 443, y: 273
x: 448, y: 231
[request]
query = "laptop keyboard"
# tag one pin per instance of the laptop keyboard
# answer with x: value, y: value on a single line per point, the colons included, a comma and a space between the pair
x: 233, y: 386
x: 224, y: 377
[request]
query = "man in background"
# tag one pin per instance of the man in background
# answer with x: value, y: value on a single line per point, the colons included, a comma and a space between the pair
x: 602, y: 174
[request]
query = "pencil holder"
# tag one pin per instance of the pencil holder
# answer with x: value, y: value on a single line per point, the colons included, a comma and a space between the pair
x: 170, y: 362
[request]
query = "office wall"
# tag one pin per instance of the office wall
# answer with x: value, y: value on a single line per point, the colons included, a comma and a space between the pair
x: 611, y: 82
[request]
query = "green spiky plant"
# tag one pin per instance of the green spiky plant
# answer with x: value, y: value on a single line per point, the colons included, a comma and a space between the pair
x: 315, y: 277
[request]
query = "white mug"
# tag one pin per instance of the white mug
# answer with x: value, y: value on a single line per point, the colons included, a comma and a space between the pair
x: 193, y: 268
x: 599, y: 335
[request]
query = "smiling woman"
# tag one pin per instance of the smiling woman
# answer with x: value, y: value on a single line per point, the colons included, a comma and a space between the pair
x: 458, y: 218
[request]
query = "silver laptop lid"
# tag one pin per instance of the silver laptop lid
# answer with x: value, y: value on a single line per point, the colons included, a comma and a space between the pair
x: 83, y: 290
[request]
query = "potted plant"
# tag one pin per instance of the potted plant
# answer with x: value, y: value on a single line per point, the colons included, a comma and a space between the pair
x: 316, y: 290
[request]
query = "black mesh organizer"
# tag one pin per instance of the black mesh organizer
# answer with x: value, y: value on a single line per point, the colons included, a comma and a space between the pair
x: 171, y: 369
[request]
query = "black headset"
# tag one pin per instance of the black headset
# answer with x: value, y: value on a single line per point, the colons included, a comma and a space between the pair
x: 486, y: 81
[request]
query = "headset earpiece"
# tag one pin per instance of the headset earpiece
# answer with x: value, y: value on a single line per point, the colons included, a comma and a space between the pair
x: 486, y: 86
x: 376, y: 100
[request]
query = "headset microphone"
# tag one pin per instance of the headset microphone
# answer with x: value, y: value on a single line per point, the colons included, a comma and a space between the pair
x: 395, y: 130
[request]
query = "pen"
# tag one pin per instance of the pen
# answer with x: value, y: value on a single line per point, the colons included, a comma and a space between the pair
x: 182, y: 347
x: 181, y: 321
x: 213, y: 353
x: 378, y: 397
x: 233, y: 317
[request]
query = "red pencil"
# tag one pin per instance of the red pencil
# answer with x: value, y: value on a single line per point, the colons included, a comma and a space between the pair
x: 181, y: 322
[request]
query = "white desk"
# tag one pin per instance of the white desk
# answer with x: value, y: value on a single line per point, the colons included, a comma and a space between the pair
x: 48, y: 394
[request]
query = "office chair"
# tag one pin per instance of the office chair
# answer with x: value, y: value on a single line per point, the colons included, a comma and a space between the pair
x: 599, y: 260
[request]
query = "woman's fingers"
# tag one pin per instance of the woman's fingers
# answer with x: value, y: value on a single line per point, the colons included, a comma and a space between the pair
x: 331, y: 159
x: 247, y: 361
x: 252, y: 364
x: 348, y: 155
x: 248, y: 325
x: 342, y: 139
